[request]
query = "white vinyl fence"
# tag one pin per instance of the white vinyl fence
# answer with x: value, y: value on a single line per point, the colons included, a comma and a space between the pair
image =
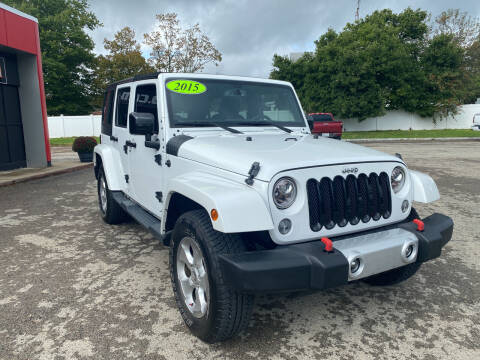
x: 90, y: 125
x: 67, y: 126
x: 402, y: 120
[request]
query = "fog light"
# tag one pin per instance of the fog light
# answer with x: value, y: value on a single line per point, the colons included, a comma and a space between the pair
x: 284, y: 226
x: 355, y: 265
x: 409, y: 251
x: 405, y: 205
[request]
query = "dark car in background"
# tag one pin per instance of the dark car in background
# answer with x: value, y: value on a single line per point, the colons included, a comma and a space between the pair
x: 325, y: 124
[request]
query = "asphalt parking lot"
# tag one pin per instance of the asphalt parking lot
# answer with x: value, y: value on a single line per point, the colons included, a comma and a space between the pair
x: 73, y: 287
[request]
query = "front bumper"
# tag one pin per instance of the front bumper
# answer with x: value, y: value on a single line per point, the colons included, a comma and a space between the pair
x: 308, y: 266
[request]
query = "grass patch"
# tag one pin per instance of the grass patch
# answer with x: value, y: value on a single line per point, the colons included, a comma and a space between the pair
x: 411, y: 134
x: 66, y: 141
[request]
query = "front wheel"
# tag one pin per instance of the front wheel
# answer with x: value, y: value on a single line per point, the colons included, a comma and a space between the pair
x: 211, y: 309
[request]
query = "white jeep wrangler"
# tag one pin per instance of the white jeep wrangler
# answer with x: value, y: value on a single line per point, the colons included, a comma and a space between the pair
x: 226, y: 172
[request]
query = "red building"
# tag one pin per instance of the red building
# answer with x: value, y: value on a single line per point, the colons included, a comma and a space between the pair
x: 24, y: 138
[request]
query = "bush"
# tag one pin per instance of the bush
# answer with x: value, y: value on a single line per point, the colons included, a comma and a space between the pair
x: 84, y: 144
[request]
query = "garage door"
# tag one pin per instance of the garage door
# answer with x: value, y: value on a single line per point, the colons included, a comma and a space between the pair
x: 12, y: 146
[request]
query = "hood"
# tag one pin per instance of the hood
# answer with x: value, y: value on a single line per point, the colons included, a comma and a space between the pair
x: 275, y: 152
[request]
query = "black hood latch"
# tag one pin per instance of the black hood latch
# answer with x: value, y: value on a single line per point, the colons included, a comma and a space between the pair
x: 254, y: 170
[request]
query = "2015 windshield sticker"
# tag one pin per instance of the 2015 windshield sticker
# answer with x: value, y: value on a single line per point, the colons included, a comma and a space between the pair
x: 188, y: 87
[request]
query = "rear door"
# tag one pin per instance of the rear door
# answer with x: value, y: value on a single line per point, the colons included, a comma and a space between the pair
x: 145, y: 162
x: 120, y: 131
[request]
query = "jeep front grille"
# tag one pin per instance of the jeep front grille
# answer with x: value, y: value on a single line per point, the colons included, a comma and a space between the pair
x: 348, y: 200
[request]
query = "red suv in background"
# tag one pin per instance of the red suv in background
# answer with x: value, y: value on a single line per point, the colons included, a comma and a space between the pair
x: 325, y: 125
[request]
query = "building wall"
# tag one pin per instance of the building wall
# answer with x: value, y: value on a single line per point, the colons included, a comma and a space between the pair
x: 19, y: 37
x: 30, y: 99
x: 17, y: 30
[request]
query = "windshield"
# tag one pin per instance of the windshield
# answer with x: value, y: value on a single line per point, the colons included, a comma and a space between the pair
x: 213, y: 102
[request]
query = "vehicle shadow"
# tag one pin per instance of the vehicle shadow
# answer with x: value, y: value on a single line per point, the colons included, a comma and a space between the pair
x: 434, y: 308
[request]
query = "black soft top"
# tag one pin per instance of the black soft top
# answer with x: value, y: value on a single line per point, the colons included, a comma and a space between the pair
x: 133, y: 78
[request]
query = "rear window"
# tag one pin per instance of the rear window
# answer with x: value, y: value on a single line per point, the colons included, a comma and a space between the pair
x: 107, y: 113
x: 123, y: 96
x: 321, y: 117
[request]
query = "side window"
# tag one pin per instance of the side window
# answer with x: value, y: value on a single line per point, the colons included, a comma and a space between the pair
x: 123, y: 95
x: 107, y: 112
x: 146, y: 101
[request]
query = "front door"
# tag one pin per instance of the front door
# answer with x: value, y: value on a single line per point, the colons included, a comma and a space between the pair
x: 144, y: 162
x: 12, y: 145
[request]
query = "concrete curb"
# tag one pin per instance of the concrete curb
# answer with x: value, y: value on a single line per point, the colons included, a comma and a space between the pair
x: 414, y: 139
x: 45, y: 175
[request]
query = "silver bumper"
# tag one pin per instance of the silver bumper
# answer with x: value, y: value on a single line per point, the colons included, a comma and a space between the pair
x: 378, y: 252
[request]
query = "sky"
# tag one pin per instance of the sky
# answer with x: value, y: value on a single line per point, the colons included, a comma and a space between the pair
x: 249, y: 33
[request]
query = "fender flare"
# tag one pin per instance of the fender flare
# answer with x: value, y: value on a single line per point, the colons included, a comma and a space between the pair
x: 424, y: 188
x: 240, y: 208
x: 112, y: 166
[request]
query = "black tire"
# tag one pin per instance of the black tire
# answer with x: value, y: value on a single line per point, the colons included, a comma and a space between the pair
x: 397, y: 275
x: 228, y: 311
x: 112, y: 213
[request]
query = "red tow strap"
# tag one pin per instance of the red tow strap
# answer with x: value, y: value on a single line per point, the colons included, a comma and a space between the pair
x: 328, y: 244
x: 420, y: 224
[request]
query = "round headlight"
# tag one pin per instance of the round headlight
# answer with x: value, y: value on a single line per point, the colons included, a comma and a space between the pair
x: 284, y: 192
x: 398, y: 179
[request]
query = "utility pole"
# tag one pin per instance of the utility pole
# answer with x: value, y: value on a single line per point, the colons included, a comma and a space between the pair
x: 357, y: 13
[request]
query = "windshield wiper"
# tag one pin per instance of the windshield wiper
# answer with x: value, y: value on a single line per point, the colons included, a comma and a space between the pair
x: 270, y: 123
x: 208, y: 124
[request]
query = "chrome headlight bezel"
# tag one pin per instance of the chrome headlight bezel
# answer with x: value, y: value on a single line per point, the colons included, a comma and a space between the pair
x: 398, y: 179
x: 284, y: 196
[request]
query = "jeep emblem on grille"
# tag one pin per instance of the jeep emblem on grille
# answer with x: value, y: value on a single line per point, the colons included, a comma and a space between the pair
x: 350, y: 170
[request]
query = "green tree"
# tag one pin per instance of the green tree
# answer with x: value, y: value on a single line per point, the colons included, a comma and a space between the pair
x: 445, y: 89
x: 67, y: 51
x: 464, y: 30
x: 124, y: 59
x: 382, y: 62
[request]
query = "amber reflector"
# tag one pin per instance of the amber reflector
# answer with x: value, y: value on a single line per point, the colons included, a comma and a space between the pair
x: 214, y: 214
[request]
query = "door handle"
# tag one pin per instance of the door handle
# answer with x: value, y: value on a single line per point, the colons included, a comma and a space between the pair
x: 113, y: 138
x: 130, y: 144
x: 152, y: 144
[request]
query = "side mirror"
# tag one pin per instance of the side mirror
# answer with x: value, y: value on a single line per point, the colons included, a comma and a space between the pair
x: 141, y: 123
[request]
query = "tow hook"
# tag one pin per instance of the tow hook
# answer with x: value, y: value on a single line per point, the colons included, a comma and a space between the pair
x: 420, y: 224
x: 328, y: 244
